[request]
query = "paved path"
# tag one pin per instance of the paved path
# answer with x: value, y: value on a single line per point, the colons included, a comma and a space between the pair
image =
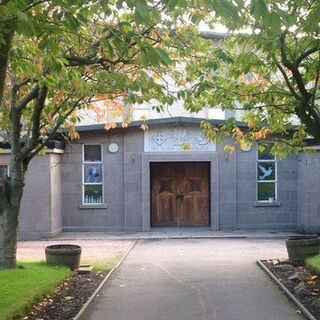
x: 194, y: 279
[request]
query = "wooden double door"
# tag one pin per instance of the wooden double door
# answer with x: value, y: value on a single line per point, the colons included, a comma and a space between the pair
x: 180, y: 194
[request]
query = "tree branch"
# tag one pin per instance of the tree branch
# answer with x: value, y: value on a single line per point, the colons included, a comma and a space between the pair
x: 92, y: 59
x: 33, y: 94
x: 3, y: 2
x: 306, y: 54
x: 35, y: 122
x: 316, y: 82
x: 36, y: 4
x: 53, y: 131
x: 286, y: 79
x: 294, y: 69
x: 4, y: 56
x: 15, y: 130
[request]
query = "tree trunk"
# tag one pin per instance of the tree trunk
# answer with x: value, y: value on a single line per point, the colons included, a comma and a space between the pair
x: 5, y: 48
x: 10, y: 198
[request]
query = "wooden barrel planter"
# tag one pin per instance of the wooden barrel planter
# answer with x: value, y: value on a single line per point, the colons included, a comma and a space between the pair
x: 299, y: 248
x: 64, y: 255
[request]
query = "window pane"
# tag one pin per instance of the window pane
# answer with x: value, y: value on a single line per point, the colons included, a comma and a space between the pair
x: 266, y: 154
x: 266, y: 171
x: 92, y: 153
x: 93, y: 193
x: 266, y: 191
x: 92, y: 173
x: 3, y: 170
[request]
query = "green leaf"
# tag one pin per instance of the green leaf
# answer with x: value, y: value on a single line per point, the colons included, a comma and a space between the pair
x: 141, y: 11
x: 259, y: 9
x: 163, y: 55
x: 274, y: 23
x: 71, y: 21
x: 22, y: 16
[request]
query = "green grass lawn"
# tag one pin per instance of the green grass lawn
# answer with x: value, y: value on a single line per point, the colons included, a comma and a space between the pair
x: 313, y: 264
x: 100, y: 265
x: 20, y: 288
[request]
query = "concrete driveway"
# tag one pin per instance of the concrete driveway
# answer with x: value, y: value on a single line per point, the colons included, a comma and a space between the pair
x: 194, y: 279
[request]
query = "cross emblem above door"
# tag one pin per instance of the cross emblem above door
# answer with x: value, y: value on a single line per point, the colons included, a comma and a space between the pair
x: 159, y: 138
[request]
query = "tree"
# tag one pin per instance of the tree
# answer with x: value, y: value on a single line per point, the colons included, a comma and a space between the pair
x: 58, y: 56
x: 267, y: 66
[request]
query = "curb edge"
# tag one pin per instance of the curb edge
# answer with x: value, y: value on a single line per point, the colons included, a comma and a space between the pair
x: 286, y: 291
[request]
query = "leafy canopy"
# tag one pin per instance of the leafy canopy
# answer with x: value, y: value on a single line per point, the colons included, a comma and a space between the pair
x: 60, y: 56
x: 266, y: 68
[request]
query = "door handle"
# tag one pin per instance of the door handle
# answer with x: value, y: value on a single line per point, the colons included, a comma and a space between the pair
x: 179, y: 196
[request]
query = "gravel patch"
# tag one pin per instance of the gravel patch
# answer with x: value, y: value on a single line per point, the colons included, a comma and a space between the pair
x: 92, y: 250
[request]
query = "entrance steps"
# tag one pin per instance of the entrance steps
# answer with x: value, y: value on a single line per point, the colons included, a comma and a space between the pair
x: 179, y: 233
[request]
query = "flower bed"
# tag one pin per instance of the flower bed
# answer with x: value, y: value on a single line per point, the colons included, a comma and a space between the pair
x: 301, y: 283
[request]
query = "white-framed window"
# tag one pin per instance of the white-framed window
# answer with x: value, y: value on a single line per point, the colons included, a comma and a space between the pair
x: 266, y: 175
x: 92, y: 174
x: 4, y: 170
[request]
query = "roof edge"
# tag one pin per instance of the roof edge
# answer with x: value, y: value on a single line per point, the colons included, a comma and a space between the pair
x: 151, y: 122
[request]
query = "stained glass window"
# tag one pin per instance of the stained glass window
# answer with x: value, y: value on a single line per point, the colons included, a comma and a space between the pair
x: 266, y: 175
x: 92, y: 174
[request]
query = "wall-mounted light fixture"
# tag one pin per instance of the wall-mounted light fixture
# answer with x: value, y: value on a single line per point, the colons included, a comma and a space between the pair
x: 113, y: 148
x: 132, y: 158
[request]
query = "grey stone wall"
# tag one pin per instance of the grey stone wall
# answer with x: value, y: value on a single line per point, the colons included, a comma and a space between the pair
x: 53, y: 193
x: 132, y: 162
x: 281, y: 215
x: 107, y: 217
x: 127, y: 187
x: 40, y: 214
x: 227, y: 189
x: 122, y: 184
x: 35, y: 215
x: 308, y: 192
